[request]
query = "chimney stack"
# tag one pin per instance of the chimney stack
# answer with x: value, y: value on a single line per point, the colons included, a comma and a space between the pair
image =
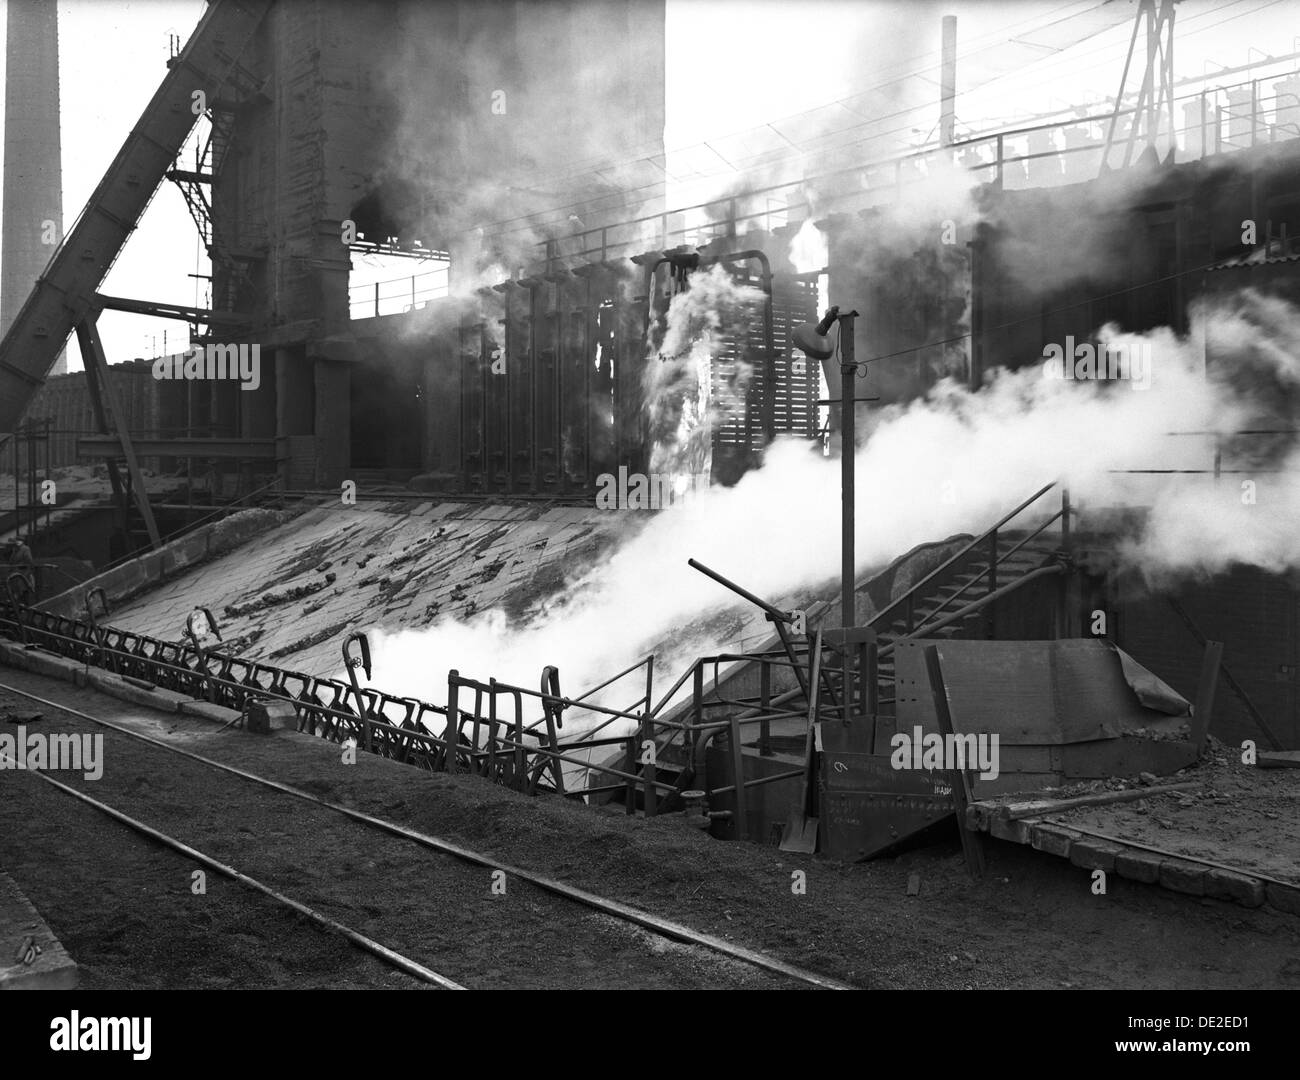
x: 32, y: 213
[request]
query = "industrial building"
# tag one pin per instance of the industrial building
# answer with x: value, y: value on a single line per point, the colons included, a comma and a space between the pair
x: 359, y: 502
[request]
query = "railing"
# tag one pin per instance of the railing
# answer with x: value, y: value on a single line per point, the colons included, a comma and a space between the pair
x: 988, y: 541
x: 473, y: 733
x: 1010, y: 158
x: 1013, y: 158
x: 396, y: 296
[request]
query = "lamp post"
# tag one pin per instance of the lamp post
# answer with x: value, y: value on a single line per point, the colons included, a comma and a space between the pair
x: 812, y: 340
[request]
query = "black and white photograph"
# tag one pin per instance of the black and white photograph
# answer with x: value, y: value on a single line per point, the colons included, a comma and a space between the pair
x: 649, y: 495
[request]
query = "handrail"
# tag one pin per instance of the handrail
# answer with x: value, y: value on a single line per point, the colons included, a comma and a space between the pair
x: 961, y: 554
x: 996, y: 562
x: 975, y: 605
x: 995, y: 138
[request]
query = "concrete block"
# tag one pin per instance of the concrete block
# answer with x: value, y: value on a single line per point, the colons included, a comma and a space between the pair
x: 1225, y: 885
x: 1051, y: 839
x: 207, y: 711
x: 1283, y: 897
x: 163, y: 700
x: 1139, y: 866
x: 1094, y: 854
x: 265, y: 717
x: 55, y: 667
x: 1183, y: 877
x: 1017, y: 831
x: 11, y: 654
x: 20, y: 926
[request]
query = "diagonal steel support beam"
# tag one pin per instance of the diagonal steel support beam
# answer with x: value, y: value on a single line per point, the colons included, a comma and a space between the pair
x: 92, y: 355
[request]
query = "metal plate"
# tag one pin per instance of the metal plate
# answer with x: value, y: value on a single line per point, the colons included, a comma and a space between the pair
x: 1029, y: 692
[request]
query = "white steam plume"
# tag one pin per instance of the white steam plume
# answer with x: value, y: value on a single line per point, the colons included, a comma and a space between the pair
x: 685, y: 401
x: 952, y: 462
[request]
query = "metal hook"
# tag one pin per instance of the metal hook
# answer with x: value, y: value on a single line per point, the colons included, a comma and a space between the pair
x: 551, y: 690
x: 103, y: 602
x: 353, y: 662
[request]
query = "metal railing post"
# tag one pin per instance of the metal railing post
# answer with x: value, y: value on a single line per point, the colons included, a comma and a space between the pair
x: 451, y: 734
x: 629, y: 785
x: 991, y: 625
x: 650, y: 773
x: 521, y: 756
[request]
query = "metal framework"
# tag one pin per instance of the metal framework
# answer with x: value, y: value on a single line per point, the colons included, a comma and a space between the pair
x: 64, y: 294
x: 650, y: 753
x: 1157, y: 89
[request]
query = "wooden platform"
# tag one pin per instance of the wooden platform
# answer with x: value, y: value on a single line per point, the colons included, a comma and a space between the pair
x: 1222, y: 830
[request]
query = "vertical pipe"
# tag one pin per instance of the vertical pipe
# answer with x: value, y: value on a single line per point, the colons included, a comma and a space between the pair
x: 873, y: 689
x: 765, y: 700
x: 1063, y: 628
x: 557, y: 366
x: 848, y: 445
x: 948, y: 82
x: 509, y: 425
x: 1254, y: 111
x: 738, y: 768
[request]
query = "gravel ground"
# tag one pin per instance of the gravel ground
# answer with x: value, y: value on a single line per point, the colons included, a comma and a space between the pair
x: 1032, y: 922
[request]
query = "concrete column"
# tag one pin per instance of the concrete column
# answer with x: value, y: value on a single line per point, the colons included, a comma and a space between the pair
x: 333, y: 420
x: 258, y: 412
x: 442, y: 390
x: 294, y: 394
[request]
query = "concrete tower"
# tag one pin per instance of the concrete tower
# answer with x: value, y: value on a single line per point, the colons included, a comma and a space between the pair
x: 32, y: 214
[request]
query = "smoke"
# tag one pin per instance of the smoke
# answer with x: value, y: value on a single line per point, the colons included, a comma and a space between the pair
x: 951, y: 462
x: 688, y: 394
x: 808, y: 251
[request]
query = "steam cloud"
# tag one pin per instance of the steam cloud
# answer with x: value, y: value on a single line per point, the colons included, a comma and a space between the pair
x: 685, y: 400
x: 951, y: 462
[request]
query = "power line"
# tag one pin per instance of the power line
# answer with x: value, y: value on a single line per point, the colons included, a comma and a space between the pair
x: 523, y: 222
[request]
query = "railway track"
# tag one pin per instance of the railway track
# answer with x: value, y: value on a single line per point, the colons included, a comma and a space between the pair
x: 478, y: 921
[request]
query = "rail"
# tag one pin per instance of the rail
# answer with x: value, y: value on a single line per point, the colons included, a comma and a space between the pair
x: 508, y: 734
x: 905, y: 604
x: 1013, y: 157
x: 395, y: 296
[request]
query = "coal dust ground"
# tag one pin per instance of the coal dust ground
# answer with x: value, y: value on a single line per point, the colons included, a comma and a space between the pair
x: 124, y: 909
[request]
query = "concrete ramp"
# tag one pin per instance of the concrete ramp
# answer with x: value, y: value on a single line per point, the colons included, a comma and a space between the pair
x: 289, y: 595
x: 31, y: 957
